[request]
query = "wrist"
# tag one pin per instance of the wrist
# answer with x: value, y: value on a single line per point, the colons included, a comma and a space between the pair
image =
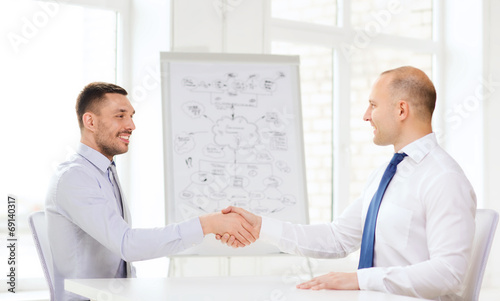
x: 259, y: 224
x: 206, y: 223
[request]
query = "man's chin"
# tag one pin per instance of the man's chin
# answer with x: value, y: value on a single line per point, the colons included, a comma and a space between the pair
x: 380, y: 142
x: 120, y: 151
x: 123, y: 150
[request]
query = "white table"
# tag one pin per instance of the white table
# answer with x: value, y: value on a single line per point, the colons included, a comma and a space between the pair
x: 255, y: 288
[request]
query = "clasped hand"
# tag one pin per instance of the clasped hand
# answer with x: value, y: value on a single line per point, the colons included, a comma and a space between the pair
x: 234, y: 226
x: 254, y: 222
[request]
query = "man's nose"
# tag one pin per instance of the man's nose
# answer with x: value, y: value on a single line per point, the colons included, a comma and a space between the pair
x: 368, y: 114
x: 131, y: 124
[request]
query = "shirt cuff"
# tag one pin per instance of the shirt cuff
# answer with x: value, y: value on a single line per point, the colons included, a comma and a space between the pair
x: 191, y: 232
x: 371, y: 279
x: 271, y: 230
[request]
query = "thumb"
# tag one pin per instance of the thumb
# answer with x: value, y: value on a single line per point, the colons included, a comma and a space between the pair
x: 227, y: 210
x: 238, y: 210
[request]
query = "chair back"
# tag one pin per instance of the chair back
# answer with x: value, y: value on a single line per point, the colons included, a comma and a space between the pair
x: 486, y: 224
x: 38, y: 226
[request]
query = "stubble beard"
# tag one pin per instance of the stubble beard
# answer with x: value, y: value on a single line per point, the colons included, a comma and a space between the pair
x: 107, y: 147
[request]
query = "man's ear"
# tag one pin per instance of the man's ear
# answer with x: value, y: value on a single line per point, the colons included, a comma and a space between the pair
x: 89, y: 121
x: 404, y: 109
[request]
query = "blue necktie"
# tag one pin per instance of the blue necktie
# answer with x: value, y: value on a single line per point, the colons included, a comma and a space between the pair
x: 368, y: 241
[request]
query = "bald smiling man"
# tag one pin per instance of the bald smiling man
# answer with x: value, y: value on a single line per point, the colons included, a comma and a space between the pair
x: 417, y: 241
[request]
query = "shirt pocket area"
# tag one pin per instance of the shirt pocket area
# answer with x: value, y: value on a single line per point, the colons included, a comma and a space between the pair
x: 393, y: 225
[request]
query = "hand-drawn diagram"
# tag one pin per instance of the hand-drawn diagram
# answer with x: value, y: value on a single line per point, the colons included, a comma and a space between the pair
x: 235, y: 140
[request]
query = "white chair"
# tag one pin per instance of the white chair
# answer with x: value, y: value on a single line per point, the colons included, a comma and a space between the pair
x: 486, y: 224
x: 38, y: 226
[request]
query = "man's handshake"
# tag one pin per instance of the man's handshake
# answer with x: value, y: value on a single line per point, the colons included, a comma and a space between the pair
x: 253, y: 220
x: 235, y: 226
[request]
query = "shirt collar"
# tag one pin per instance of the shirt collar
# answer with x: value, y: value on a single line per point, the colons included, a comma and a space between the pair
x: 99, y: 160
x: 418, y: 149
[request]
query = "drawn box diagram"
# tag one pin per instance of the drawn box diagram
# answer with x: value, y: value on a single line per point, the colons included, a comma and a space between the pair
x: 233, y: 135
x: 249, y: 185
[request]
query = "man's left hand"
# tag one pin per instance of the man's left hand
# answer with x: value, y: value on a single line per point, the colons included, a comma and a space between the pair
x: 333, y: 281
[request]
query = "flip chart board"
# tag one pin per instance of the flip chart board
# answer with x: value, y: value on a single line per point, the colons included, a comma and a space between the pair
x: 232, y: 136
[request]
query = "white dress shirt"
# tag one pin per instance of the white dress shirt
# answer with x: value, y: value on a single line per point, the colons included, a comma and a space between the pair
x: 424, y: 231
x: 88, y: 236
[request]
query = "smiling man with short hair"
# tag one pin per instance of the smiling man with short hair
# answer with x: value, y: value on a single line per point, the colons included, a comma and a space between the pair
x: 88, y: 221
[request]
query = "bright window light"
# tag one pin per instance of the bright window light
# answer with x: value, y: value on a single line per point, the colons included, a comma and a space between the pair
x: 50, y: 51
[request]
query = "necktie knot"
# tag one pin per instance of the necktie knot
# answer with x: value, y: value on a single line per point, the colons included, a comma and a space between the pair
x: 397, y: 158
x: 112, y: 173
x: 112, y: 166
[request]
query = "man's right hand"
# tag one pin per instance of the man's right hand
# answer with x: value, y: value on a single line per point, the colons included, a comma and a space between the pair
x: 254, y: 220
x: 235, y: 225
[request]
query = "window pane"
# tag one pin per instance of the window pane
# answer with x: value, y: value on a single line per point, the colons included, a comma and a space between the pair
x: 366, y: 67
x: 316, y: 89
x: 406, y: 18
x: 50, y: 51
x: 320, y: 12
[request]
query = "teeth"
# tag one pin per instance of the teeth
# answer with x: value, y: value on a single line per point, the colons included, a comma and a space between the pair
x: 124, y: 137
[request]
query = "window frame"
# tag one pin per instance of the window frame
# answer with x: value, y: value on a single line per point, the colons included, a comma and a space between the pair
x: 122, y: 75
x: 123, y: 54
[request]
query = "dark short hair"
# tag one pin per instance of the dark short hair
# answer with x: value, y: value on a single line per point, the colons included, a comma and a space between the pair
x: 92, y: 96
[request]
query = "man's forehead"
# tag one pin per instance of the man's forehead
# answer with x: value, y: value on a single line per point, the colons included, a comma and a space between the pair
x: 379, y: 88
x: 117, y: 102
x: 384, y: 78
x: 382, y: 82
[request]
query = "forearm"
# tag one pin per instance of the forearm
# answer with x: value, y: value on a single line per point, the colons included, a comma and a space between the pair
x: 142, y: 244
x: 318, y: 241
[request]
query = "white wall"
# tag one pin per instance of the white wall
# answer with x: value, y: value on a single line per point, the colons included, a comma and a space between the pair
x: 472, y: 96
x: 491, y: 124
x: 205, y: 26
x: 463, y: 71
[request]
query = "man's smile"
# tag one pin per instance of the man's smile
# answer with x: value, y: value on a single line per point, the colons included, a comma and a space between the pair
x: 125, y: 138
